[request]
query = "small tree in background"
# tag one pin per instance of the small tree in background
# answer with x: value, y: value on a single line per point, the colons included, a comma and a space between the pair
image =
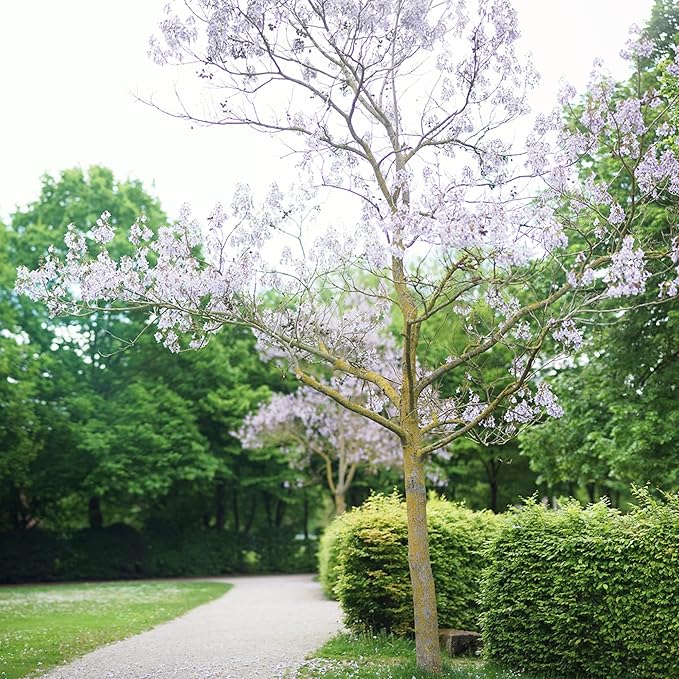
x: 308, y: 424
x: 403, y: 106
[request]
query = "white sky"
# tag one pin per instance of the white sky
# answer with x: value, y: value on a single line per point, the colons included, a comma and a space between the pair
x: 68, y: 71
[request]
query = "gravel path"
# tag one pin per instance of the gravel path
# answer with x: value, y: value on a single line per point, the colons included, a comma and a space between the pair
x: 262, y: 628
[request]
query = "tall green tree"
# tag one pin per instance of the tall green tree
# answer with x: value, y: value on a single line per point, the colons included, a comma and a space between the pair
x: 622, y: 420
x: 79, y: 420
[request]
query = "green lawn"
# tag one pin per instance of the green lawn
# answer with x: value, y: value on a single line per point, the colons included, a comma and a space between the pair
x: 47, y: 625
x: 383, y: 657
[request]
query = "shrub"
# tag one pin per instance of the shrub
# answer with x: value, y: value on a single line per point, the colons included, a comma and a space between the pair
x: 328, y: 553
x: 111, y: 553
x: 586, y: 592
x: 120, y: 552
x: 28, y: 556
x: 282, y: 551
x: 373, y: 582
x: 199, y: 552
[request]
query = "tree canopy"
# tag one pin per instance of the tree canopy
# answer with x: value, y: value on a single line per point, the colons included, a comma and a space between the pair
x: 455, y: 218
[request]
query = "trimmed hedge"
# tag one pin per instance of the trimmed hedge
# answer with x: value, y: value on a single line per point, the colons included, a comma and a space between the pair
x: 29, y: 556
x: 586, y: 592
x: 366, y: 563
x: 329, y: 551
x: 121, y: 552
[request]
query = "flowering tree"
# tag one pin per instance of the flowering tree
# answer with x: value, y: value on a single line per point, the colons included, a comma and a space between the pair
x: 308, y: 424
x: 403, y: 106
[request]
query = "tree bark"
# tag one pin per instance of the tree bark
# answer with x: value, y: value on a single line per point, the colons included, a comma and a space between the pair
x: 220, y: 504
x: 427, y: 649
x: 305, y: 517
x: 340, y: 503
x: 94, y: 513
x: 267, y: 507
x: 591, y: 492
x: 251, y: 514
x: 236, y: 512
x: 492, y: 472
x: 493, y: 496
x: 280, y: 512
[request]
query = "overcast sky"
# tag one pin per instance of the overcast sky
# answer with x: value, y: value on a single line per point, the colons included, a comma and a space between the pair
x: 69, y: 71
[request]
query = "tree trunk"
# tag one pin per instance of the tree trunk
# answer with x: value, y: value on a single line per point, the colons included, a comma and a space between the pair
x: 305, y: 517
x: 492, y: 472
x: 591, y: 492
x: 94, y: 513
x: 251, y: 514
x: 220, y: 504
x: 267, y: 508
x: 340, y: 503
x: 16, y: 508
x: 427, y: 648
x: 281, y: 506
x: 493, y: 495
x: 236, y: 512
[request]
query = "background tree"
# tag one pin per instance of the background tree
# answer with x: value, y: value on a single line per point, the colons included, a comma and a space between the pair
x: 117, y: 434
x: 621, y: 422
x: 307, y: 424
x: 433, y: 232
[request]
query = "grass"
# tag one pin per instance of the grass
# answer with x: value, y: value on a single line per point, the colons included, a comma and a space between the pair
x: 365, y: 656
x: 44, y: 626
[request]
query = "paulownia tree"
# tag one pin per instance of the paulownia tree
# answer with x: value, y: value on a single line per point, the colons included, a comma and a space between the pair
x: 309, y: 425
x: 405, y: 106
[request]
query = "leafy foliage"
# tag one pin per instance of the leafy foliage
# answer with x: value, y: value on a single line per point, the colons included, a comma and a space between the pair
x: 92, y: 434
x: 371, y: 557
x: 119, y: 552
x: 329, y: 552
x: 621, y: 422
x: 586, y: 592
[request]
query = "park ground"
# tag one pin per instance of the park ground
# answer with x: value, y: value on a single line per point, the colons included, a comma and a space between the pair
x: 43, y: 627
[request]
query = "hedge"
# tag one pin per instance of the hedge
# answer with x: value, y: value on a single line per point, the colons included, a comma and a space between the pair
x: 366, y: 565
x: 586, y: 592
x: 121, y: 552
x: 329, y: 551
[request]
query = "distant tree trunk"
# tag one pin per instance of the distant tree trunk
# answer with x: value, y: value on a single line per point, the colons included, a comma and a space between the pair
x: 305, y: 516
x: 591, y: 492
x: 220, y: 504
x: 94, y: 513
x: 493, y: 496
x: 251, y: 515
x: 15, y: 508
x: 493, y: 473
x: 267, y: 509
x: 236, y: 513
x: 280, y: 512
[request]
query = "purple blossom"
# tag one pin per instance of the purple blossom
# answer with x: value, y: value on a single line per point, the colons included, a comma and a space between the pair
x: 617, y: 215
x: 545, y: 398
x: 627, y: 274
x: 102, y: 232
x: 449, y: 218
x: 670, y: 288
x: 568, y: 334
